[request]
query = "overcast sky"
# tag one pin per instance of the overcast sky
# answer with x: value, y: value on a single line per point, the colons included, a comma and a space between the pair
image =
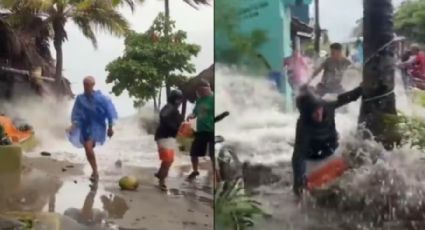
x: 81, y: 59
x: 340, y: 16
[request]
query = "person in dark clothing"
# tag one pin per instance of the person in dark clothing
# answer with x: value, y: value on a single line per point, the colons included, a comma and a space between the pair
x: 170, y: 120
x: 316, y: 135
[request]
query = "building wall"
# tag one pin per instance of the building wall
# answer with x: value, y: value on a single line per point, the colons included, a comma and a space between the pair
x: 302, y: 12
x: 274, y: 18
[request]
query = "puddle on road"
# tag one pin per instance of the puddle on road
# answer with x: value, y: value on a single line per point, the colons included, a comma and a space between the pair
x: 85, y: 206
x: 36, y: 192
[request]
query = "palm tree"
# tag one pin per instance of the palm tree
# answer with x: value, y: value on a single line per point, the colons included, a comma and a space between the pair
x: 192, y: 3
x: 88, y: 15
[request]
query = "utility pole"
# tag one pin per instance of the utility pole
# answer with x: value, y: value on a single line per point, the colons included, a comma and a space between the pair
x: 317, y: 29
x: 378, y: 71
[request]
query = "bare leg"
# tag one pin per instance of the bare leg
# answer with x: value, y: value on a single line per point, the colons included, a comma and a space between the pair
x: 195, y: 163
x: 164, y: 169
x: 89, y: 148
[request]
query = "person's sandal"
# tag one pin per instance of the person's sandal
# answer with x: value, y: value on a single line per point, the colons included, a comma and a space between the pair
x: 192, y: 176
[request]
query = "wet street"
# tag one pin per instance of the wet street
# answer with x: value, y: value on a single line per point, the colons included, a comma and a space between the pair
x: 63, y: 189
x: 54, y: 186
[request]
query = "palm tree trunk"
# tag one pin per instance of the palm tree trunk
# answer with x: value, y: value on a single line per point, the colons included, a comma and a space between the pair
x: 167, y: 16
x: 59, y: 35
x: 378, y: 72
x: 59, y: 62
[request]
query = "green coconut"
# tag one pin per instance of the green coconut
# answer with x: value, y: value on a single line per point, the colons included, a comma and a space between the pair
x: 129, y: 183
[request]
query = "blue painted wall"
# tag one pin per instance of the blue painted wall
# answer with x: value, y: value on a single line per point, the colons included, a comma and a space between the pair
x: 274, y: 18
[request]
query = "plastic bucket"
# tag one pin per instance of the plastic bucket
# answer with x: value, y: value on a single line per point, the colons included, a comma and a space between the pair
x: 186, y: 130
x: 320, y: 173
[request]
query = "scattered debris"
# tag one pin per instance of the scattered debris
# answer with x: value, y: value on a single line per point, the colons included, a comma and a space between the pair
x: 118, y: 164
x: 46, y: 154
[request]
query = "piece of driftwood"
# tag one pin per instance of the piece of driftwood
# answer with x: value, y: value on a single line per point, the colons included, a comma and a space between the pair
x: 33, y: 74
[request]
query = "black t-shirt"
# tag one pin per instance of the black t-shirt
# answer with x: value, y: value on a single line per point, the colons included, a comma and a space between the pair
x: 170, y: 120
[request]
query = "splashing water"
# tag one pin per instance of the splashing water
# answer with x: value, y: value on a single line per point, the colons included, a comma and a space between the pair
x: 130, y: 144
x: 386, y: 191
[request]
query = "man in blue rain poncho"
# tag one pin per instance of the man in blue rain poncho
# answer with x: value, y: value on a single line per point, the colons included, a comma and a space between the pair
x: 89, y: 115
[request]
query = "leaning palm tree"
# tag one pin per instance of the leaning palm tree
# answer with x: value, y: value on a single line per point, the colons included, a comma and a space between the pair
x: 88, y: 15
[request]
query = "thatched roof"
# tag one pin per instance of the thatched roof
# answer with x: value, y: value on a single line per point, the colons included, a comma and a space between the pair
x: 190, y: 87
x: 9, y: 42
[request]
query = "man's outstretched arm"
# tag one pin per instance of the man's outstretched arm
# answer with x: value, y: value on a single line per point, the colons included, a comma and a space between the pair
x: 348, y: 97
x: 318, y: 70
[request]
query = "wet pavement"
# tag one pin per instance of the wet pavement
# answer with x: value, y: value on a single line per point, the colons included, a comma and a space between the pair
x: 61, y: 188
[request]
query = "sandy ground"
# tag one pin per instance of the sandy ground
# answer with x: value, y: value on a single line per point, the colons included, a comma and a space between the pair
x: 48, y: 185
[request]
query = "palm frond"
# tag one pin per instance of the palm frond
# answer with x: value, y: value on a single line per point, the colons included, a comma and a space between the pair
x: 109, y: 20
x: 85, y: 27
x: 195, y: 3
x: 20, y: 5
x: 233, y: 208
x: 129, y: 3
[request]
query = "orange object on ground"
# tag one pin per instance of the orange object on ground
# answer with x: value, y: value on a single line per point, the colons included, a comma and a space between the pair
x: 186, y: 130
x: 166, y: 155
x: 329, y: 172
x: 17, y: 136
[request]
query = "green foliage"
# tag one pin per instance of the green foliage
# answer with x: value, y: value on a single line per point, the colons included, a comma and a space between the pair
x: 129, y: 3
x: 151, y: 58
x: 88, y: 15
x: 411, y: 129
x: 410, y: 20
x: 233, y: 210
x: 239, y: 48
x: 418, y: 97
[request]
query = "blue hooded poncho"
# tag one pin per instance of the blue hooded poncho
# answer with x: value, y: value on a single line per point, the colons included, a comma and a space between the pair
x: 89, y: 115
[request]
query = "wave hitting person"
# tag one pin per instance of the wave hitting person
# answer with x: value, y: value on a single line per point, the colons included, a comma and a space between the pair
x: 204, y: 135
x: 91, y: 112
x: 170, y: 120
x: 316, y: 136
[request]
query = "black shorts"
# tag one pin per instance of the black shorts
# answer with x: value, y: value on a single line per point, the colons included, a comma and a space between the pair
x: 203, y: 143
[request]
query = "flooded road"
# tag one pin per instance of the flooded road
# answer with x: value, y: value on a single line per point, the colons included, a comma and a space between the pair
x: 385, y: 192
x: 57, y: 184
